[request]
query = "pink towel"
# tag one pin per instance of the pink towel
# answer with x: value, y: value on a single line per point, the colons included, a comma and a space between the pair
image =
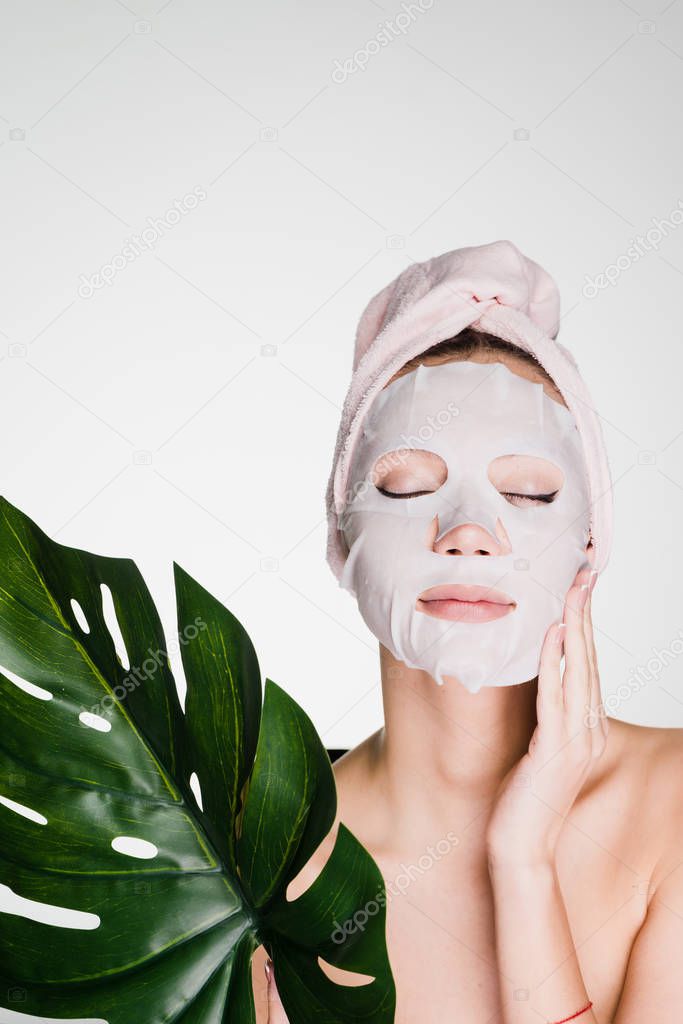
x: 492, y: 288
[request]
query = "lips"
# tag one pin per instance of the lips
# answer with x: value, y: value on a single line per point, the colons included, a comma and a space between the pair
x: 460, y: 603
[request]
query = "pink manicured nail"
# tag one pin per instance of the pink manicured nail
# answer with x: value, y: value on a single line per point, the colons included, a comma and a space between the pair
x: 558, y: 635
x: 583, y: 595
x: 594, y: 577
x: 268, y: 969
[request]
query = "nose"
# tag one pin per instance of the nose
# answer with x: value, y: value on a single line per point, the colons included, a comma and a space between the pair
x: 470, y: 539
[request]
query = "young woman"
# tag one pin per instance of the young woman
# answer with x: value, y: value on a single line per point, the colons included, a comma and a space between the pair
x: 532, y: 849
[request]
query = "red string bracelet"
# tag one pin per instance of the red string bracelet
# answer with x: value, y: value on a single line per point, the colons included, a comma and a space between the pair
x: 573, y: 1015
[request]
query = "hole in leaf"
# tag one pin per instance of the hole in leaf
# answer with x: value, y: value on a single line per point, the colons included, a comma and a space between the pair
x: 26, y: 812
x: 17, y: 996
x: 351, y: 978
x: 196, y: 789
x: 94, y: 721
x: 46, y: 913
x: 31, y: 688
x: 308, y: 874
x: 129, y: 846
x: 79, y: 615
x: 109, y: 612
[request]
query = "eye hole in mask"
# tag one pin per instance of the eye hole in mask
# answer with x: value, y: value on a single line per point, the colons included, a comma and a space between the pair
x: 525, y: 480
x: 409, y: 473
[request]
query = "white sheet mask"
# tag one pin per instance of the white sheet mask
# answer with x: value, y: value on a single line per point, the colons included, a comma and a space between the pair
x: 468, y: 414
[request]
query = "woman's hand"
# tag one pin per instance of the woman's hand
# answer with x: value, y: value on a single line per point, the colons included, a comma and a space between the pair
x: 538, y: 792
x: 276, y: 1013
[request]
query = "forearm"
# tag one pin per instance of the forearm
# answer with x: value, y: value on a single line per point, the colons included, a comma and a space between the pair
x: 539, y: 973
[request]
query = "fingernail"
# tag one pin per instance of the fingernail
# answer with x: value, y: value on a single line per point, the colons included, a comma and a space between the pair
x: 558, y: 635
x: 583, y: 595
x: 593, y: 579
x: 268, y: 969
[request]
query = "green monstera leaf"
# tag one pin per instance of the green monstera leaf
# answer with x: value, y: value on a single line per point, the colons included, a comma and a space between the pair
x: 163, y: 896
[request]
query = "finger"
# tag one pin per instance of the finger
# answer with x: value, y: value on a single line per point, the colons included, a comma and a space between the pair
x: 597, y: 718
x: 549, y: 699
x: 576, y: 680
x: 276, y: 1012
x: 588, y: 625
x: 591, y: 718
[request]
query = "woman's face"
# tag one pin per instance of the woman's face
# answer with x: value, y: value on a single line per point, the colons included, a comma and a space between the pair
x: 479, y: 460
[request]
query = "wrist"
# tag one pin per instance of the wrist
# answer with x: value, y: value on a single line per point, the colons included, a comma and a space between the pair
x: 519, y: 865
x: 521, y: 850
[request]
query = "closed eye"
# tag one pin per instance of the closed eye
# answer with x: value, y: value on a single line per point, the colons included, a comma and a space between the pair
x: 526, y: 480
x: 524, y: 499
x: 396, y: 473
x: 406, y: 494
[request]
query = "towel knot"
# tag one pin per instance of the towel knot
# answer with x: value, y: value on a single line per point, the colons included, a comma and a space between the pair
x: 482, y: 274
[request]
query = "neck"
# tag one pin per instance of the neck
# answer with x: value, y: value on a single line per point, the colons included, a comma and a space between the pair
x: 443, y: 751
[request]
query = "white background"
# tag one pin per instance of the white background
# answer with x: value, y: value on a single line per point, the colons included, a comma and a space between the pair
x: 188, y: 410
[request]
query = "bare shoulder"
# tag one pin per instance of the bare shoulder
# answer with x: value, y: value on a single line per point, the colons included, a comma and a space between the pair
x: 640, y: 781
x: 654, y: 752
x: 647, y: 758
x: 647, y: 779
x: 664, y: 768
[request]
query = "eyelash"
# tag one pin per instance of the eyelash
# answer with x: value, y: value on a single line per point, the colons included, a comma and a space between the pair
x: 407, y: 494
x: 544, y: 498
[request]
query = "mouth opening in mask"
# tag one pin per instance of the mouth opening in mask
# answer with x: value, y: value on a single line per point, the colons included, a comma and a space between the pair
x: 458, y: 603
